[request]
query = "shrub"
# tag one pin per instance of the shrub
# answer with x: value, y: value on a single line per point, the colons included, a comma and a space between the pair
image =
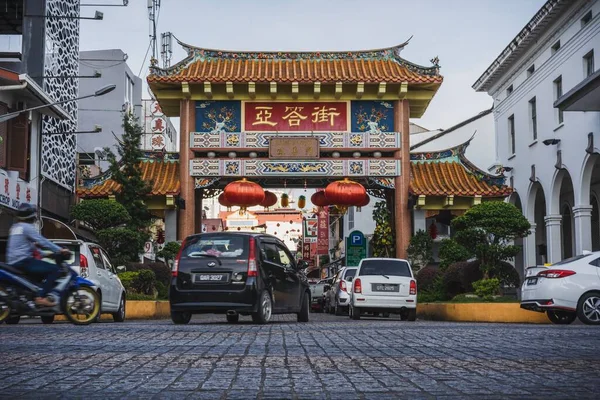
x: 469, y: 273
x: 123, y: 244
x: 426, y: 278
x: 100, y: 213
x: 127, y: 279
x: 459, y: 278
x: 137, y: 296
x: 420, y: 251
x: 140, y: 282
x: 161, y: 271
x: 170, y: 251
x: 163, y: 291
x: 486, y: 288
x: 451, y: 252
x: 507, y: 275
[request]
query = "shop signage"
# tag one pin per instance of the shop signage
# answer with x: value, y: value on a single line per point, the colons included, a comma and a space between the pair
x: 323, y: 232
x: 310, y: 230
x: 291, y: 148
x: 296, y: 116
x: 14, y: 192
x: 356, y: 248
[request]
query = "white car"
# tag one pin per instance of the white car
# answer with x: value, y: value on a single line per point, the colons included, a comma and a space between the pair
x: 565, y: 290
x: 337, y: 298
x: 91, y: 262
x: 384, y: 285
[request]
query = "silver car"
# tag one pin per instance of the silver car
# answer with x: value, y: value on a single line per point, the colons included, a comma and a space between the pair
x: 336, y: 299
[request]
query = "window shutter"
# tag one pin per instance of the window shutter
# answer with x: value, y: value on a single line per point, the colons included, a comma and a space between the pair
x: 18, y: 145
x: 3, y: 136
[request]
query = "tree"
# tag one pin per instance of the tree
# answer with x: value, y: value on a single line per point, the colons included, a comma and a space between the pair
x: 420, y: 250
x: 383, y: 242
x: 100, y: 213
x: 126, y: 172
x: 488, y: 231
x: 170, y: 251
x: 122, y: 243
x: 451, y: 252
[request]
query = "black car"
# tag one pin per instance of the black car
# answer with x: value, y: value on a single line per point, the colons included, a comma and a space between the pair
x: 237, y: 273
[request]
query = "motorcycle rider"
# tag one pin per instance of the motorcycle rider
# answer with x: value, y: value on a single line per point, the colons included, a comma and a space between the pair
x: 23, y: 241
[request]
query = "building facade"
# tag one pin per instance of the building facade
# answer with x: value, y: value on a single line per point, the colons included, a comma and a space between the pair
x: 549, y: 153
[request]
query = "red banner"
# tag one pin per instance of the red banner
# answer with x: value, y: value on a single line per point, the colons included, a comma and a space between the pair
x: 323, y: 232
x: 296, y: 116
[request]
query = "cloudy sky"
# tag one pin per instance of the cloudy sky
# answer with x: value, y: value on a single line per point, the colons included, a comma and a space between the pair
x: 466, y: 35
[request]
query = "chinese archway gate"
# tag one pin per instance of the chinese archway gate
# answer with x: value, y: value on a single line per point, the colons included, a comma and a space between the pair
x: 295, y: 119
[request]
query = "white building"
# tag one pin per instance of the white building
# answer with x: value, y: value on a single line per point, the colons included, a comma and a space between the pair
x: 549, y: 154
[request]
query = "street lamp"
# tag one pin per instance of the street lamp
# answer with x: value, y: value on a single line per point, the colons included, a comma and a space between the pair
x: 100, y: 92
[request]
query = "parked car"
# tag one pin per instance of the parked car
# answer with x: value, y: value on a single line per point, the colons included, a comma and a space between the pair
x: 317, y: 292
x: 384, y: 285
x: 92, y: 262
x: 337, y: 298
x: 566, y: 290
x: 237, y: 273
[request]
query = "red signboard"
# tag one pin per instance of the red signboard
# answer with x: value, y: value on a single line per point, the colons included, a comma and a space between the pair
x: 323, y: 232
x: 296, y: 116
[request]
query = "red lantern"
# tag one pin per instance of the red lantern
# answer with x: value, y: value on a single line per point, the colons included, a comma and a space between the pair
x: 363, y: 203
x: 345, y: 193
x: 244, y: 194
x: 270, y: 200
x: 224, y: 202
x: 433, y: 232
x: 319, y: 199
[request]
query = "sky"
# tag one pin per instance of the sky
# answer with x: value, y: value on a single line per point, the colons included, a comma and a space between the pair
x: 466, y: 35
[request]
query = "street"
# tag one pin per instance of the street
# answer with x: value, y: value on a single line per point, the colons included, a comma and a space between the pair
x: 329, y: 358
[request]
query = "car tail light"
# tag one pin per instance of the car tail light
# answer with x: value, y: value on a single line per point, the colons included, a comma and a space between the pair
x: 413, y: 287
x: 83, y: 266
x: 175, y: 267
x: 343, y: 286
x: 252, y: 269
x: 357, y: 286
x: 556, y: 273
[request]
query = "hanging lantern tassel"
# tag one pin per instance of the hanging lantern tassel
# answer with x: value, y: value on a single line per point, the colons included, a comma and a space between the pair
x: 433, y: 232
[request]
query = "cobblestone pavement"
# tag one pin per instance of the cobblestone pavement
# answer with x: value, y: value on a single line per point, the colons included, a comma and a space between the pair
x: 328, y: 358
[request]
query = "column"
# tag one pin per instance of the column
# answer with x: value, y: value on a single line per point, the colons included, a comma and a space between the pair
x: 553, y: 236
x: 402, y: 182
x: 530, y: 248
x: 170, y: 226
x: 420, y: 223
x: 582, y: 214
x: 186, y: 216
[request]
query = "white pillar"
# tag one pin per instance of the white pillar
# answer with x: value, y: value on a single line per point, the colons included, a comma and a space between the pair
x: 530, y: 247
x: 582, y: 214
x: 419, y: 221
x: 170, y: 226
x: 553, y: 236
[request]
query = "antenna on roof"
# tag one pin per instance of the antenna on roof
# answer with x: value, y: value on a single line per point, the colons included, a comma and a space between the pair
x: 166, y: 41
x: 153, y: 14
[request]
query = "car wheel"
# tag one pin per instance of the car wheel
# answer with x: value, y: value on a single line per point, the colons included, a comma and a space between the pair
x: 13, y: 320
x: 561, y: 317
x: 355, y: 313
x: 385, y: 315
x: 412, y: 314
x: 47, y: 319
x: 181, y: 317
x: 119, y: 316
x: 233, y: 318
x: 338, y: 309
x: 588, y: 309
x: 265, y: 309
x: 304, y: 311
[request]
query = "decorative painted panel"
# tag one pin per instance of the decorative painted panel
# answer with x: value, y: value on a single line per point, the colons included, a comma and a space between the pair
x: 298, y: 116
x: 328, y: 140
x: 218, y: 116
x: 62, y: 59
x: 372, y: 116
x: 249, y: 167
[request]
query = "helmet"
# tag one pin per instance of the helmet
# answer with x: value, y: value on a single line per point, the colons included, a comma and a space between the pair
x: 26, y: 212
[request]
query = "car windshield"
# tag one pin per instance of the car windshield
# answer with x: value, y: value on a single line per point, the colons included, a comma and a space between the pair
x: 216, y: 246
x: 385, y: 267
x: 569, y: 260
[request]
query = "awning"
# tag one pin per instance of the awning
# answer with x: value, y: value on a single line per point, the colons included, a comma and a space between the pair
x: 583, y: 97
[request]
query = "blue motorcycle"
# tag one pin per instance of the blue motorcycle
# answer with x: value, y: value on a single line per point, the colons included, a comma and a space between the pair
x: 74, y: 296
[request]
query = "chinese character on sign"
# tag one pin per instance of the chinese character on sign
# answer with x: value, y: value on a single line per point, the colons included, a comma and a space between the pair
x: 322, y: 114
x: 323, y: 224
x: 18, y: 191
x: 158, y: 125
x: 155, y: 109
x: 158, y: 142
x: 293, y: 115
x: 263, y: 117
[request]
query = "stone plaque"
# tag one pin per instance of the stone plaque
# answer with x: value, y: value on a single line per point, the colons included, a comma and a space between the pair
x: 294, y: 148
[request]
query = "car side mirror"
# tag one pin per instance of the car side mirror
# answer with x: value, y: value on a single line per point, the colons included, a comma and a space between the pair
x: 121, y: 268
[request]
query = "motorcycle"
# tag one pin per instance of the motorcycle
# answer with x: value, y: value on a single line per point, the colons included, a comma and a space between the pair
x: 74, y: 296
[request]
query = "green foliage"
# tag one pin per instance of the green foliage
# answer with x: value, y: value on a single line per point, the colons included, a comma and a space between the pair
x: 163, y: 291
x: 486, y: 288
x: 140, y: 282
x: 465, y: 298
x: 100, y: 213
x: 384, y: 238
x: 127, y: 279
x: 123, y: 244
x: 138, y: 296
x: 507, y: 275
x: 161, y: 271
x: 134, y: 190
x: 459, y: 277
x: 432, y: 293
x: 426, y: 278
x: 420, y: 250
x: 487, y: 231
x: 169, y: 251
x: 451, y: 252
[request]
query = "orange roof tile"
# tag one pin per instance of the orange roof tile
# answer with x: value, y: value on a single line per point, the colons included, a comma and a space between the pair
x: 163, y: 175
x: 450, y: 178
x: 371, y: 66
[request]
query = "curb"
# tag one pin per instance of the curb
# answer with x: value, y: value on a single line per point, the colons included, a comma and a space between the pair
x: 139, y: 309
x: 480, y: 312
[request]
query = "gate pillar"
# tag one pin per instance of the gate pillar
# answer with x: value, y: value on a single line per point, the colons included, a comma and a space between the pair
x: 187, y: 215
x: 402, y: 182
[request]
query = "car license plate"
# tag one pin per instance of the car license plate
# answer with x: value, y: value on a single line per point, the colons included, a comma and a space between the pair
x: 384, y: 287
x: 211, y: 278
x: 532, y: 281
